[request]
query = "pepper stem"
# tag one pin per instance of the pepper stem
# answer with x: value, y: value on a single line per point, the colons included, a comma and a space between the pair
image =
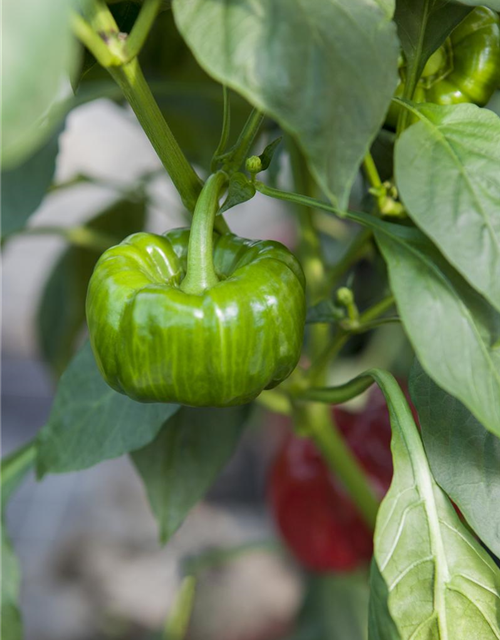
x: 200, y: 274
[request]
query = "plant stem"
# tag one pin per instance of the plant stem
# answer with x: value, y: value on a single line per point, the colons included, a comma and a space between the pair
x: 354, y: 251
x: 129, y: 77
x: 298, y: 198
x: 374, y: 179
x: 245, y: 139
x: 92, y: 40
x: 377, y: 309
x: 317, y: 370
x: 310, y: 251
x: 17, y: 463
x: 275, y: 401
x: 311, y: 254
x: 315, y: 420
x: 365, y: 219
x: 178, y: 621
x: 371, y: 171
x: 339, y: 394
x: 200, y: 274
x: 136, y: 90
x: 368, y: 326
x: 142, y: 27
x: 226, y: 127
x: 100, y: 17
x: 330, y: 226
x: 385, y: 193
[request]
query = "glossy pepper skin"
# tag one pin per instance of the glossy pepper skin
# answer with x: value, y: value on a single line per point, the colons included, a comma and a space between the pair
x: 314, y: 514
x: 155, y: 342
x: 466, y: 68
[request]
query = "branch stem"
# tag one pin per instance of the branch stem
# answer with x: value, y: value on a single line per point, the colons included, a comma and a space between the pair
x: 245, y: 139
x: 313, y: 419
x: 317, y: 369
x: 100, y: 36
x: 275, y: 401
x: 371, y: 171
x: 311, y: 254
x: 356, y: 249
x: 17, y: 463
x: 100, y: 17
x: 226, y: 127
x: 92, y: 40
x: 142, y: 27
x: 136, y: 90
x: 177, y: 623
x: 339, y: 394
x: 316, y: 421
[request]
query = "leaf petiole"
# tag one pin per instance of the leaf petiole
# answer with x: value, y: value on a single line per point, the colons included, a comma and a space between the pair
x: 226, y: 128
x: 142, y: 27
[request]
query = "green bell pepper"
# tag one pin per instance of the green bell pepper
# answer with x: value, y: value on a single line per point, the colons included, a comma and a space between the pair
x: 466, y: 68
x: 195, y: 317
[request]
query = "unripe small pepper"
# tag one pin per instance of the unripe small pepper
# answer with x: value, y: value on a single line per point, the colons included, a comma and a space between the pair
x: 466, y: 68
x: 195, y: 317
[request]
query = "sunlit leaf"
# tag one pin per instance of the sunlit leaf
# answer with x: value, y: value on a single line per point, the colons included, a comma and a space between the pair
x: 439, y: 581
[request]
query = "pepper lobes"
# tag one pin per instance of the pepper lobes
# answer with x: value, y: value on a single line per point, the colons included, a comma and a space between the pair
x: 466, y: 68
x: 156, y: 343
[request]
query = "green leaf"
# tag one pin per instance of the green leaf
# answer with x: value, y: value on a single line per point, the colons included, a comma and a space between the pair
x: 180, y: 465
x: 452, y: 329
x: 325, y: 311
x: 190, y: 100
x: 90, y: 422
x: 464, y: 457
x: 451, y: 188
x: 10, y: 628
x: 240, y: 190
x: 380, y: 623
x: 335, y: 608
x: 24, y: 187
x: 423, y: 26
x: 267, y: 155
x: 39, y: 52
x: 193, y: 110
x: 388, y: 6
x: 492, y: 4
x: 60, y: 326
x: 317, y: 67
x: 440, y: 581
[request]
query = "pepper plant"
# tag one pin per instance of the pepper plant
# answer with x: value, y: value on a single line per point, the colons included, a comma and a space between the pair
x: 374, y: 122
